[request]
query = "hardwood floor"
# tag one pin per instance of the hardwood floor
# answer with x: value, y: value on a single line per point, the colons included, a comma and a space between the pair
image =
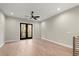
x: 33, y: 47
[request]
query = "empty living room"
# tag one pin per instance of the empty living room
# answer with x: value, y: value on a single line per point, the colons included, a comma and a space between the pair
x: 39, y: 29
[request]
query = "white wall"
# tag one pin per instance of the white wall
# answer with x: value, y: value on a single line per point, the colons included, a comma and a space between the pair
x: 60, y: 28
x: 2, y: 28
x: 13, y: 29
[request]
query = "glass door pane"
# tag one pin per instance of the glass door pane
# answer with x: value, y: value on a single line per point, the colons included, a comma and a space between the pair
x: 29, y: 30
x: 23, y: 30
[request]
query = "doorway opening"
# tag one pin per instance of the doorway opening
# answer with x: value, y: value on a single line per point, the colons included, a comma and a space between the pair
x: 26, y: 31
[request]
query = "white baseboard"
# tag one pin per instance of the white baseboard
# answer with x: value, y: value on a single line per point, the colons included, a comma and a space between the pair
x: 12, y: 41
x: 1, y: 44
x: 65, y: 45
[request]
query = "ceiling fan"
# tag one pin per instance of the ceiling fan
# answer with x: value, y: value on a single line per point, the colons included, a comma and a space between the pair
x: 32, y: 16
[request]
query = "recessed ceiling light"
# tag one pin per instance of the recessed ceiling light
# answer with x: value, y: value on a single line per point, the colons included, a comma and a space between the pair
x: 12, y: 13
x: 58, y: 9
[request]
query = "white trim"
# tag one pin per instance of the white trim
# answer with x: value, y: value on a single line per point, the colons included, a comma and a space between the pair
x: 65, y: 45
x: 1, y: 44
x: 11, y: 41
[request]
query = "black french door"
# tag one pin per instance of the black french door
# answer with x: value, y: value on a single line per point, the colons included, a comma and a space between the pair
x: 26, y: 31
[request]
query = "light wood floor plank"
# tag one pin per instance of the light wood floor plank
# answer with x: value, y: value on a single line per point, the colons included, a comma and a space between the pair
x: 33, y: 47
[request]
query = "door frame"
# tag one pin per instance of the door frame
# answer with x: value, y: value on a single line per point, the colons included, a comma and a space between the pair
x: 26, y: 31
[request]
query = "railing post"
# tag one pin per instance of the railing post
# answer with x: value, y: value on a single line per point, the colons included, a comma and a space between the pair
x: 74, y: 38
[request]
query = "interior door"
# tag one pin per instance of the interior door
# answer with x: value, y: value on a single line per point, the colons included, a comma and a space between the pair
x: 25, y: 31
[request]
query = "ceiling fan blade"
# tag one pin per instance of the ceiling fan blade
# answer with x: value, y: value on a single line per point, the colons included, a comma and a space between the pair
x: 35, y: 18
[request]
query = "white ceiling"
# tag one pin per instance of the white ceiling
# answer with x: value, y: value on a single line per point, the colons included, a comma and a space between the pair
x: 45, y: 10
